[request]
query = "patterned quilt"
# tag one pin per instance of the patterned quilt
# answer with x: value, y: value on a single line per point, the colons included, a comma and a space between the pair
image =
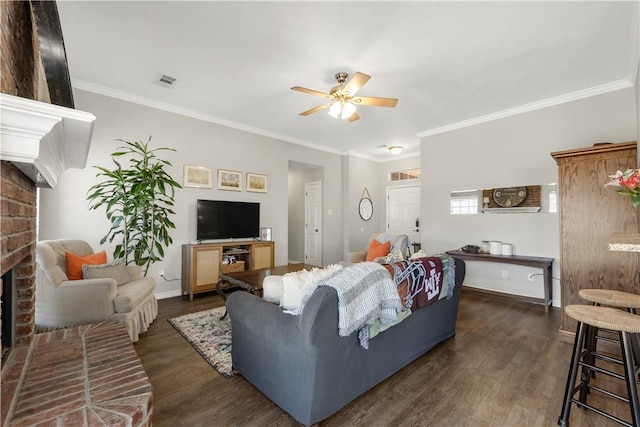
x: 419, y: 283
x: 423, y: 281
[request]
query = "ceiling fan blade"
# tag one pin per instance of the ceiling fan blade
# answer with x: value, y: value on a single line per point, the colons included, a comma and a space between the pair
x: 311, y: 91
x: 375, y: 101
x: 316, y: 109
x: 356, y: 82
x: 353, y: 117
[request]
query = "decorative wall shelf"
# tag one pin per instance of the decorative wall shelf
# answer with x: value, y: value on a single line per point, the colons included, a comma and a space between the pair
x: 531, y: 209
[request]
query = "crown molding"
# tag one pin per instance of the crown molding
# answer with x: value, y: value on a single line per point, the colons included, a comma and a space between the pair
x: 401, y: 156
x: 135, y: 99
x: 549, y: 102
x: 573, y: 96
x: 379, y: 160
x: 352, y: 153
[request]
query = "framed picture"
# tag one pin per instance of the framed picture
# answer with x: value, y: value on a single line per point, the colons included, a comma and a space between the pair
x: 197, y: 176
x: 229, y: 180
x: 256, y: 182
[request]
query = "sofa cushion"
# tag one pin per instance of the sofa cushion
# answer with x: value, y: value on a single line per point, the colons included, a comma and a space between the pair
x: 272, y: 289
x: 377, y: 249
x: 115, y: 270
x: 75, y: 262
x: 133, y: 293
x: 293, y: 288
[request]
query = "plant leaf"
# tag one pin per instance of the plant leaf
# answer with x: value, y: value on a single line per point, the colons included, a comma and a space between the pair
x: 137, y: 201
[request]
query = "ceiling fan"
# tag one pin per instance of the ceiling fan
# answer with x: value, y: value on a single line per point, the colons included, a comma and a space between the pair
x: 342, y: 97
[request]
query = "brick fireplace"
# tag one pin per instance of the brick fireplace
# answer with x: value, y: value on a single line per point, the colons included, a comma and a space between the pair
x: 18, y: 230
x: 17, y: 190
x: 83, y: 375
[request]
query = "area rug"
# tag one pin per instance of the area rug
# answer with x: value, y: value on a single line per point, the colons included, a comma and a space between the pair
x: 210, y: 336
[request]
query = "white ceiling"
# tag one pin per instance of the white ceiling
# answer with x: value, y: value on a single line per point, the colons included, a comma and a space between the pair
x: 448, y: 63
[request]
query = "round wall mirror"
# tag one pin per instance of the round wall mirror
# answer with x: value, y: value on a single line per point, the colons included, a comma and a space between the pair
x: 365, y: 208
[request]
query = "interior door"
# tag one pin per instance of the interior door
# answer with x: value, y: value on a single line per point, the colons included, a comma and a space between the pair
x: 313, y: 230
x: 403, y: 211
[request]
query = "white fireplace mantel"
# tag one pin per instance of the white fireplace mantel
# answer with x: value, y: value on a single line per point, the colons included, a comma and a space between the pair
x: 42, y: 139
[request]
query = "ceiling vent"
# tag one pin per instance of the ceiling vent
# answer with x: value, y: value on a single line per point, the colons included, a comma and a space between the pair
x: 167, y: 81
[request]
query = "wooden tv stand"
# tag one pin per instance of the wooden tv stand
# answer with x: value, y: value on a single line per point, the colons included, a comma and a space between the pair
x: 202, y: 263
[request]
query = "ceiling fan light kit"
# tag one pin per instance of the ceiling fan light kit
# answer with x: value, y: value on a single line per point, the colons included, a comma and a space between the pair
x: 347, y: 110
x: 342, y: 97
x: 344, y: 111
x: 335, y: 110
x: 396, y: 149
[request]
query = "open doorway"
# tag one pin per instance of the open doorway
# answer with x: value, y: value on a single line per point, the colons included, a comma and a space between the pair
x: 299, y: 175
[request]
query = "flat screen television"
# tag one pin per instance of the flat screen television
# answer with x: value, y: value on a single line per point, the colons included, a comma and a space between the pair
x: 218, y: 219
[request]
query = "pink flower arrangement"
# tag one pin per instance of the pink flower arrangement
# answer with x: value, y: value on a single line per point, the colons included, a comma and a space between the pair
x: 628, y: 183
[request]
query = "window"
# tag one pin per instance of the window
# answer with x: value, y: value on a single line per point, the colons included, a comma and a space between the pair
x: 404, y: 175
x: 553, y: 201
x: 464, y: 202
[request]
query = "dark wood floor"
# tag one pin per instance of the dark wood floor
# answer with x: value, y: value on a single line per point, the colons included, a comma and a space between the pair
x: 504, y: 367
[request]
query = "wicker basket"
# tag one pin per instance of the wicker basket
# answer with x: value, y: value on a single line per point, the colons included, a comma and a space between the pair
x: 232, y: 268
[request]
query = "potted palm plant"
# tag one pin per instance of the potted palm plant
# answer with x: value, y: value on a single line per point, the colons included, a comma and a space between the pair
x: 138, y: 198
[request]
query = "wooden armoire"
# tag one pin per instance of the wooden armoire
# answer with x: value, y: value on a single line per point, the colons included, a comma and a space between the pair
x: 589, y: 214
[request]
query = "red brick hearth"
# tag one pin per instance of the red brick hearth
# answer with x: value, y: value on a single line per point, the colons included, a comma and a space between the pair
x: 82, y: 376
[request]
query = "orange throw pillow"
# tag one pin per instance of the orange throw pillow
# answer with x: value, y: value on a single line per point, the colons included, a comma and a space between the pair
x: 74, y: 263
x: 377, y: 249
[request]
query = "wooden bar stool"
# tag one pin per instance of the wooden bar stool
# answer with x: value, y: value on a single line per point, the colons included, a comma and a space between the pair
x: 592, y: 318
x: 611, y: 298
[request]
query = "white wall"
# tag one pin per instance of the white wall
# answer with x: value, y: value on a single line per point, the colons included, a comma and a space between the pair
x: 63, y: 210
x: 509, y: 152
x: 360, y: 174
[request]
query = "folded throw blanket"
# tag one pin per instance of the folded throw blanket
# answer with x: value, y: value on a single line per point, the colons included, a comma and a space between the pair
x: 365, y: 293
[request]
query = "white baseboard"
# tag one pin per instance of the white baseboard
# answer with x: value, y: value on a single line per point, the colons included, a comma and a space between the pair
x: 169, y: 294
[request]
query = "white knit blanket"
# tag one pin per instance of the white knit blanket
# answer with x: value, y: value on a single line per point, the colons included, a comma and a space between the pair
x: 365, y: 291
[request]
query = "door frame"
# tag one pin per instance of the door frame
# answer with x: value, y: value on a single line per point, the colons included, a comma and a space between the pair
x: 306, y: 207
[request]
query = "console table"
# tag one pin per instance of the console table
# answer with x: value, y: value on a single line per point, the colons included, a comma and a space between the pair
x: 545, y: 264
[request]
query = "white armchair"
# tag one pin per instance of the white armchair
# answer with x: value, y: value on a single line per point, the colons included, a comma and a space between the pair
x: 62, y: 302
